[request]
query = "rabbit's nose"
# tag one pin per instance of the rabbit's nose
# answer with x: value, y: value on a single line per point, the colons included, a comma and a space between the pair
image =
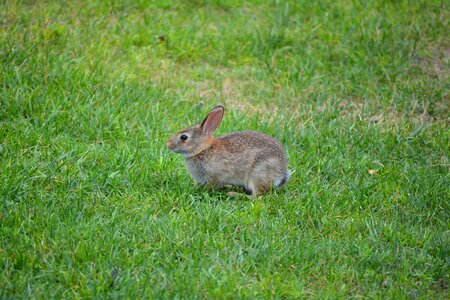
x: 170, y: 144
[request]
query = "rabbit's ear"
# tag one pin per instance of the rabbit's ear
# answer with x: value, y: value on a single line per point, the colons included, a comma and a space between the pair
x: 212, y: 120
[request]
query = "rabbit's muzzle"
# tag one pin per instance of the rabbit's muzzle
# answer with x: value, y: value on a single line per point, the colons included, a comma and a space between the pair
x: 170, y: 145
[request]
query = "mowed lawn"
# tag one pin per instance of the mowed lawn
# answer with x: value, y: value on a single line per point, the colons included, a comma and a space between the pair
x: 93, y: 205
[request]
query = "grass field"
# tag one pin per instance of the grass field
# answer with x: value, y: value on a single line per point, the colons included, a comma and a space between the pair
x: 94, y: 205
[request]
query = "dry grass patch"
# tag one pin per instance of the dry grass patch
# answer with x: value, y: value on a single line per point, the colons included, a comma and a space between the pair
x: 435, y: 61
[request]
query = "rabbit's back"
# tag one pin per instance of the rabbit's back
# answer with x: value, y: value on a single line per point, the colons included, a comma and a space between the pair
x: 249, y: 141
x: 235, y: 158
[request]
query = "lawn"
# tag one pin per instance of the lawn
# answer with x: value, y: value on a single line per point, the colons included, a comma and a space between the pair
x: 93, y: 205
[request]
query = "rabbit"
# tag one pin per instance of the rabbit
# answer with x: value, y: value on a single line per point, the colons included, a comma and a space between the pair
x: 247, y: 159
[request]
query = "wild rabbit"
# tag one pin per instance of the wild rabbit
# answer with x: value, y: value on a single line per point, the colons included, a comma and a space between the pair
x: 247, y: 159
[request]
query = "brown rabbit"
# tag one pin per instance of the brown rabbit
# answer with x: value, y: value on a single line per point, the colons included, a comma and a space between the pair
x: 247, y: 159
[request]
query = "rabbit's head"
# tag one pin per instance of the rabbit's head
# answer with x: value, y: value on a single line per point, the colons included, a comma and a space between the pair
x: 194, y: 139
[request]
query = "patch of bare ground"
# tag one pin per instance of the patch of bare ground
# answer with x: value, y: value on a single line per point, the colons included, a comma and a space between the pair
x: 392, y: 117
x: 435, y: 61
x: 234, y: 95
x: 281, y: 103
x: 352, y: 107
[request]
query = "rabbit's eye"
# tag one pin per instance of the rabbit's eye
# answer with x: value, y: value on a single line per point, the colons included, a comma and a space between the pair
x: 183, y: 137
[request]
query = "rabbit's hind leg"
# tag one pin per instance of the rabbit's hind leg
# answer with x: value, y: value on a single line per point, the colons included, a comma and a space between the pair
x: 258, y: 184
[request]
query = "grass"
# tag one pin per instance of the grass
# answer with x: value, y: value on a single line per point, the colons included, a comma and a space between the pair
x: 94, y: 205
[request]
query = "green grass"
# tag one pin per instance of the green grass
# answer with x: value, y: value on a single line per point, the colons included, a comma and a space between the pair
x: 94, y: 205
